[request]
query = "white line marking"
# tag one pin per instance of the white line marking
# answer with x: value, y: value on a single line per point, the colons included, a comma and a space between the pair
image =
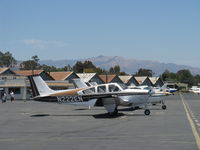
x: 194, y: 130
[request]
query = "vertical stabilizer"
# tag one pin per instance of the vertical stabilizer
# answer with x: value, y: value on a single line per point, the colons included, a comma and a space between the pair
x: 39, y: 87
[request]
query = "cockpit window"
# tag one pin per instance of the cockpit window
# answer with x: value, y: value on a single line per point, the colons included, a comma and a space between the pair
x: 89, y: 91
x: 101, y: 89
x: 123, y: 86
x: 113, y: 88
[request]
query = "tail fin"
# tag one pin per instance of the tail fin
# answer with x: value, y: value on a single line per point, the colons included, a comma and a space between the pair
x: 39, y: 87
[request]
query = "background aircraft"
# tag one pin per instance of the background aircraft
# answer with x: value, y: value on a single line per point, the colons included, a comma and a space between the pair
x: 195, y: 90
x: 157, y: 96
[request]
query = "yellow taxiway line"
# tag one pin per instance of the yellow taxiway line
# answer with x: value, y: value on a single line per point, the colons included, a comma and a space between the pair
x: 188, y: 113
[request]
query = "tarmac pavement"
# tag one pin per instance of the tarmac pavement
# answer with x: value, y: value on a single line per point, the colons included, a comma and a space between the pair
x: 39, y: 126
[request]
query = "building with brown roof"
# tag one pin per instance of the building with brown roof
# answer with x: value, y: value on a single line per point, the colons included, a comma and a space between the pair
x: 10, y: 81
x: 6, y: 71
x: 63, y: 76
x: 45, y: 76
x: 111, y: 79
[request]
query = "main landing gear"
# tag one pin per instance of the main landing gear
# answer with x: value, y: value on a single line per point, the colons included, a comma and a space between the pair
x: 114, y: 113
x: 164, y: 107
x: 147, y: 112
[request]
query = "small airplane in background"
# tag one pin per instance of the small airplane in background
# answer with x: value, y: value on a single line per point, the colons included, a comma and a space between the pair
x: 195, y: 89
x: 171, y: 90
x: 109, y: 96
x: 157, y: 96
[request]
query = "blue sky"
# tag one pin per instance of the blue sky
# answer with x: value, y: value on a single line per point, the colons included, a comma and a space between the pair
x: 160, y: 30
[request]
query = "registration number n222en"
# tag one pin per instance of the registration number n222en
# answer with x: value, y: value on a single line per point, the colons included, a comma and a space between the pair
x: 69, y: 99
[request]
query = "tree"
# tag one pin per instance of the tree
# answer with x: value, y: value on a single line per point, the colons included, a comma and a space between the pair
x: 88, y: 65
x: 114, y: 70
x: 185, y: 76
x: 169, y: 76
x: 144, y: 72
x: 7, y: 60
x: 67, y: 68
x: 197, y: 79
x: 48, y: 68
x: 35, y: 58
x: 78, y: 67
x: 100, y: 71
x: 30, y: 64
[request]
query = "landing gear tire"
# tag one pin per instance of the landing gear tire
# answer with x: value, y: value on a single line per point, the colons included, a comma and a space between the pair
x: 164, y: 107
x: 114, y: 113
x: 147, y: 112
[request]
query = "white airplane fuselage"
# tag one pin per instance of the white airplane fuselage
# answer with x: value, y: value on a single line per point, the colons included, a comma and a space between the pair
x: 110, y: 95
x: 195, y: 90
x: 140, y: 97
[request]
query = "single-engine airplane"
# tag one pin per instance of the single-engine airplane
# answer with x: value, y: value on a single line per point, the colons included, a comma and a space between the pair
x: 110, y: 95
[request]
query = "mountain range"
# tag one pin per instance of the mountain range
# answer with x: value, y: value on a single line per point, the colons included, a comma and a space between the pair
x: 126, y: 64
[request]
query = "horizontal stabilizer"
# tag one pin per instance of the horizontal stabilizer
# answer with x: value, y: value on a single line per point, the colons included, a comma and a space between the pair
x: 79, y: 84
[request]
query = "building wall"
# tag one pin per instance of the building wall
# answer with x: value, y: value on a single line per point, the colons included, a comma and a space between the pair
x: 71, y: 77
x: 159, y: 83
x: 97, y: 80
x: 132, y: 82
x: 45, y: 76
x: 116, y: 80
x: 18, y: 86
x: 147, y: 82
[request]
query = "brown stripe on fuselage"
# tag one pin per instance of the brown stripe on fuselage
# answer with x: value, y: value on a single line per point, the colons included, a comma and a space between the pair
x: 69, y: 92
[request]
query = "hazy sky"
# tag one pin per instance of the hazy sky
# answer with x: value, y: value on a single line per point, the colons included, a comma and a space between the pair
x: 160, y: 30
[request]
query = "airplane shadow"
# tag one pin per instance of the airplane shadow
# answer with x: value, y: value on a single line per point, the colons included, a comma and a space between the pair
x: 40, y: 115
x: 127, y: 109
x: 107, y: 116
x: 81, y: 109
x: 156, y: 109
x: 96, y: 116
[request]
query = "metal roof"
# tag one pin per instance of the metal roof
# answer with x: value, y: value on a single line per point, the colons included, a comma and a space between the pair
x: 153, y: 79
x: 107, y: 78
x: 3, y: 70
x: 86, y: 77
x: 125, y: 79
x: 140, y: 79
x: 28, y: 72
x: 60, y: 75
